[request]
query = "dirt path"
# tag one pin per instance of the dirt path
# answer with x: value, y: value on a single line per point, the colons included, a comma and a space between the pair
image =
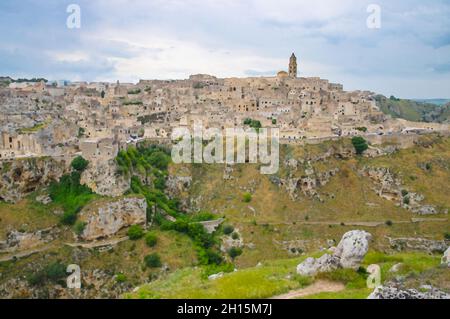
x: 315, y: 288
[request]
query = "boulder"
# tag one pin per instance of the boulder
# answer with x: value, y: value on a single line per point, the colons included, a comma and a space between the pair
x: 352, y: 248
x: 446, y: 258
x: 386, y: 292
x: 348, y: 254
x: 105, y: 218
x: 312, y: 266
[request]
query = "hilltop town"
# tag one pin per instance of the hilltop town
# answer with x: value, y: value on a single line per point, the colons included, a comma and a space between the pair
x: 98, y: 119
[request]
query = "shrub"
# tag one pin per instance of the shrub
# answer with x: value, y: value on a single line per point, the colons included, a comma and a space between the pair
x: 234, y: 252
x: 153, y: 261
x: 79, y: 163
x: 54, y: 272
x: 235, y: 236
x: 151, y: 239
x: 359, y: 144
x: 447, y: 236
x: 247, y: 197
x: 79, y: 227
x: 389, y: 223
x: 135, y: 232
x: 121, y: 278
x: 406, y: 201
x: 228, y: 229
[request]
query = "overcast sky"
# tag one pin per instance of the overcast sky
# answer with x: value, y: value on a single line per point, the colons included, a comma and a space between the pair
x: 409, y: 56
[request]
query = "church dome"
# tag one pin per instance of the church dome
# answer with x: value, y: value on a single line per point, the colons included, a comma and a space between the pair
x: 282, y: 74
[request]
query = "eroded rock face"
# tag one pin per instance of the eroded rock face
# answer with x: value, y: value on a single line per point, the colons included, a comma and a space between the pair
x: 103, y: 179
x: 349, y: 253
x: 384, y: 292
x: 446, y: 258
x: 421, y: 244
x: 19, y: 178
x: 352, y: 248
x: 106, y: 218
x: 389, y: 186
x: 16, y: 240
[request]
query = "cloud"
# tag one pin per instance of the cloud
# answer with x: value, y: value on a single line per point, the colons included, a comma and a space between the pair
x: 130, y: 40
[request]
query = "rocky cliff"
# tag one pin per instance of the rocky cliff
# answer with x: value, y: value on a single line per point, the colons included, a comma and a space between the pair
x: 105, y: 218
x: 19, y: 178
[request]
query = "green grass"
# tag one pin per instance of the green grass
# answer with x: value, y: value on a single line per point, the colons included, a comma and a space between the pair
x: 272, y: 278
x: 361, y: 293
x: 278, y: 277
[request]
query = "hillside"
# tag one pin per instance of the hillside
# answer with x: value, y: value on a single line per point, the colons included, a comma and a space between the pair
x: 413, y: 111
x: 271, y: 224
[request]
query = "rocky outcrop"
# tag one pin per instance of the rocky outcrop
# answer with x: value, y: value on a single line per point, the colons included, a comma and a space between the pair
x: 19, y: 178
x: 309, y: 183
x: 389, y: 187
x: 212, y: 225
x: 176, y: 185
x: 105, y: 218
x: 103, y: 179
x: 16, y: 240
x: 386, y: 292
x: 446, y: 258
x: 421, y: 244
x: 349, y: 253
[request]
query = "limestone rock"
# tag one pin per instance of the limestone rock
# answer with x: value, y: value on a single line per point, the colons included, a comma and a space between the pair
x: 352, y: 248
x: 312, y: 266
x: 16, y: 240
x: 106, y: 218
x: 103, y: 179
x: 348, y: 254
x: 44, y: 199
x: 215, y: 276
x: 446, y: 258
x: 420, y: 244
x: 19, y: 178
x: 386, y: 292
x: 211, y: 225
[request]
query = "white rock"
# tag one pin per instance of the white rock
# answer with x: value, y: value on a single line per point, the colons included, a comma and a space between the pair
x: 215, y: 276
x: 312, y: 266
x: 308, y: 267
x: 352, y: 248
x: 446, y: 258
x: 396, y: 267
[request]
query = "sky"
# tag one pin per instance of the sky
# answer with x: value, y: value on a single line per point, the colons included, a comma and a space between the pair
x: 128, y: 40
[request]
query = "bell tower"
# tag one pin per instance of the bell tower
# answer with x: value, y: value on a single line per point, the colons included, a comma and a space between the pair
x: 293, y: 66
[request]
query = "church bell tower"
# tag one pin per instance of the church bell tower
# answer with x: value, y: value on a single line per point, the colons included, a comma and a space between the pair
x: 293, y: 66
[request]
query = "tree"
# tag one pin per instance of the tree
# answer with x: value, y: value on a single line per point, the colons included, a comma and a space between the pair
x: 79, y: 163
x: 135, y: 232
x: 103, y: 94
x: 234, y: 252
x: 360, y: 144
